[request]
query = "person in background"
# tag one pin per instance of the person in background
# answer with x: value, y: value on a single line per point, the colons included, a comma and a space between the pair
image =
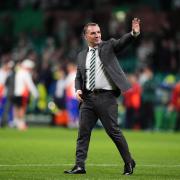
x: 4, y: 73
x: 71, y: 100
x: 59, y: 94
x: 132, y: 102
x: 99, y: 81
x: 147, y: 82
x: 60, y: 115
x: 23, y: 86
x: 175, y: 104
x: 5, y: 111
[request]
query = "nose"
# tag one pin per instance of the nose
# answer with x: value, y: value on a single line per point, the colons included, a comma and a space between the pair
x: 97, y: 35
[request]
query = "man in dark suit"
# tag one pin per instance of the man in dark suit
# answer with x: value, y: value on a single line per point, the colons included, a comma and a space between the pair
x: 99, y: 80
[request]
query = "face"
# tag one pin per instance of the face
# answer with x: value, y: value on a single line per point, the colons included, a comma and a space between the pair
x: 93, y: 36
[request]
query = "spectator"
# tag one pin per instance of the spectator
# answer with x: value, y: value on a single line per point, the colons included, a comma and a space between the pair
x: 72, y: 102
x: 132, y: 102
x: 59, y: 94
x: 175, y: 104
x: 5, y: 71
x: 60, y: 116
x: 148, y: 93
x: 5, y: 109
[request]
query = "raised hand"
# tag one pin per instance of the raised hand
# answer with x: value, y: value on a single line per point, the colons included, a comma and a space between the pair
x: 136, y: 26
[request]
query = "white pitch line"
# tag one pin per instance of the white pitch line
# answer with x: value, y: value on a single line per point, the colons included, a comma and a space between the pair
x: 95, y: 165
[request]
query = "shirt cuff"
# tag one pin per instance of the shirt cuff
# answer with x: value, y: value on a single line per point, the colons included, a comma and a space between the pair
x: 135, y: 34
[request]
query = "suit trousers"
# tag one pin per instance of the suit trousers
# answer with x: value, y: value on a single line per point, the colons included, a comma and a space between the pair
x: 102, y: 106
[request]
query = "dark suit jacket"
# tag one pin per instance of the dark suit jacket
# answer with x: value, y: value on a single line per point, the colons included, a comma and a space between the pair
x: 108, y: 51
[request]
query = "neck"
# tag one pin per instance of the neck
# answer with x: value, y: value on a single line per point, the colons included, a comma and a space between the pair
x: 93, y: 45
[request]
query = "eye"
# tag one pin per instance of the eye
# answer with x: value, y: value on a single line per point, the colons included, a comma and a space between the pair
x: 93, y: 33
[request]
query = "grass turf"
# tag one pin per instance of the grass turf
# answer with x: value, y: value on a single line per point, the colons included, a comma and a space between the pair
x: 44, y: 153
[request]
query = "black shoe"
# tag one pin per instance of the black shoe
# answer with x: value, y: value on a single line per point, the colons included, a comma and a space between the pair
x: 128, y: 168
x: 76, y: 170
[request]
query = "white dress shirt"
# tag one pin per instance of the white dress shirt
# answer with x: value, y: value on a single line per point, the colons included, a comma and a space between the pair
x: 102, y: 80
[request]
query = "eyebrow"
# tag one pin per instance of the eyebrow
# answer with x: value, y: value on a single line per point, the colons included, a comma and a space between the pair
x: 95, y: 32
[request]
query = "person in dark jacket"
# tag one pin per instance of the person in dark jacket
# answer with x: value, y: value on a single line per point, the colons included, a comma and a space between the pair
x: 99, y: 80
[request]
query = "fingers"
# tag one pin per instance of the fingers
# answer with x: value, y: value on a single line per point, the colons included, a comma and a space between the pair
x: 79, y: 98
x: 136, y: 25
x: 79, y: 95
x: 136, y: 20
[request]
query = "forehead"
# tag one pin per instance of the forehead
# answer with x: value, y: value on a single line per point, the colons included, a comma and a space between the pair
x: 92, y: 29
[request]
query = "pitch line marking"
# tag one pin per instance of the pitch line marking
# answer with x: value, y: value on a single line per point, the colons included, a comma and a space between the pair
x: 90, y: 164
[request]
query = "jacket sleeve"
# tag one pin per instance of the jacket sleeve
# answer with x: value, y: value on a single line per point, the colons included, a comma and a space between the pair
x: 123, y: 42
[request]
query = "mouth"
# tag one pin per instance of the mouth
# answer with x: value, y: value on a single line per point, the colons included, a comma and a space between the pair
x: 97, y: 40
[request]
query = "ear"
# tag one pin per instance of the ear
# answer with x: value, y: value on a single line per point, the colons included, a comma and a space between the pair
x: 85, y: 37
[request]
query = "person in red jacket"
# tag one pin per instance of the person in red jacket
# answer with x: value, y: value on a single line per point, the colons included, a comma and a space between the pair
x: 175, y: 104
x: 132, y: 102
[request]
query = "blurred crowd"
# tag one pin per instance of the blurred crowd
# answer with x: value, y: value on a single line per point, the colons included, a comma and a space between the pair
x: 50, y: 46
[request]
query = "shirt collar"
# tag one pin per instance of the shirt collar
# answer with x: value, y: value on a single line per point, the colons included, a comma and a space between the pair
x: 90, y: 48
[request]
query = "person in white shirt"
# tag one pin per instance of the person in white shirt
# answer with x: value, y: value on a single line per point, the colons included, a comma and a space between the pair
x: 23, y: 86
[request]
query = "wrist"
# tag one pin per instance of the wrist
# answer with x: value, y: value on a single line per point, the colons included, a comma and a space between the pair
x: 135, y: 34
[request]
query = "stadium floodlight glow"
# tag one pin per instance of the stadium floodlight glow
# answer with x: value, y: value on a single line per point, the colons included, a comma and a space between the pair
x: 120, y: 15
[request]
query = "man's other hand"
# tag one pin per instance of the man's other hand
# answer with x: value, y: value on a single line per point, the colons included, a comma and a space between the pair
x: 79, y: 95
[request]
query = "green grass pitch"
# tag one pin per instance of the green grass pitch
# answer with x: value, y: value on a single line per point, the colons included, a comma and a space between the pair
x: 44, y: 153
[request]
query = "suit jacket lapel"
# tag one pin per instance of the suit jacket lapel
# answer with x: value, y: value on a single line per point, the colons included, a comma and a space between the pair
x: 99, y: 49
x: 83, y: 60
